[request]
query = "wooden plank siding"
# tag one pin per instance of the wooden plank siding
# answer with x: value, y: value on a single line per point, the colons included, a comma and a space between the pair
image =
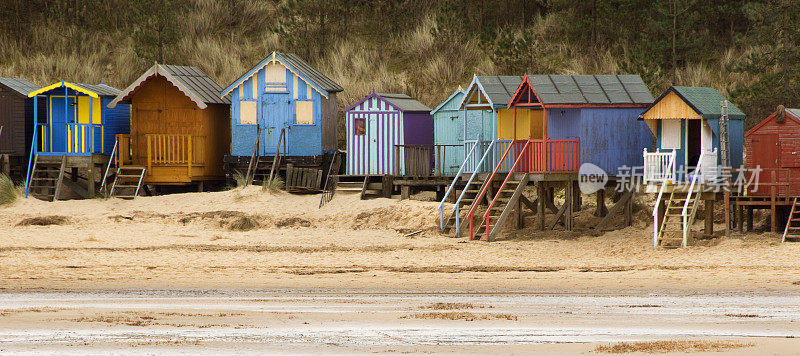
x: 774, y: 145
x: 163, y: 116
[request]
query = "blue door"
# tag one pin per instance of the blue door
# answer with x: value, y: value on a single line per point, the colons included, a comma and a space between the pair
x: 274, y: 118
x: 59, y: 118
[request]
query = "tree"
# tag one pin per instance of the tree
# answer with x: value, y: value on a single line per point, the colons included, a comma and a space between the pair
x: 774, y: 63
x: 156, y: 29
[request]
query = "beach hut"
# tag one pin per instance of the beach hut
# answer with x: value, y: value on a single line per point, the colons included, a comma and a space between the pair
x: 697, y: 133
x: 774, y: 146
x: 16, y: 125
x: 283, y: 106
x: 76, y: 131
x: 686, y: 124
x: 485, y: 105
x: 448, y: 134
x: 383, y: 134
x: 180, y: 127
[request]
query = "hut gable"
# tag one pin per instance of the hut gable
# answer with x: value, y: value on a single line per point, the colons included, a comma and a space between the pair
x: 773, y: 145
x: 273, y: 73
x: 191, y: 81
x: 491, y: 91
x: 703, y: 101
x: 452, y: 102
x: 582, y: 90
x: 387, y: 102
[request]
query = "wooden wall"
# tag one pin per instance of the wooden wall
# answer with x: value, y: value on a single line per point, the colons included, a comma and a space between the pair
x: 158, y: 107
x: 775, y: 145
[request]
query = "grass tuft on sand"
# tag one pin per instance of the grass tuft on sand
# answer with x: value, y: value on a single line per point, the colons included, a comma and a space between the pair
x: 44, y: 221
x: 273, y: 186
x: 244, y: 223
x: 665, y: 346
x: 9, y: 192
x: 450, y: 306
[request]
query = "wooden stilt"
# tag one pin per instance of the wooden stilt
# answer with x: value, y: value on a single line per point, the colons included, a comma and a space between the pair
x: 405, y: 192
x: 530, y: 204
x: 629, y: 211
x: 620, y: 205
x: 709, y: 220
x: 74, y: 174
x: 540, y: 210
x: 773, y: 219
x: 601, y: 209
x: 727, y: 201
x: 577, y: 199
x: 740, y: 217
x: 569, y: 192
x: 749, y: 218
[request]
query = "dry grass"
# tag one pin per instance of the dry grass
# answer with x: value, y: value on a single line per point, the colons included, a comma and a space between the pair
x: 461, y: 316
x: 449, y: 306
x: 276, y: 184
x: 682, y: 346
x: 243, y: 223
x: 9, y: 192
x: 44, y: 221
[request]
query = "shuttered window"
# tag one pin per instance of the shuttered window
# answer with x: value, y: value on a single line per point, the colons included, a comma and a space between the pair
x: 247, y: 114
x: 304, y: 113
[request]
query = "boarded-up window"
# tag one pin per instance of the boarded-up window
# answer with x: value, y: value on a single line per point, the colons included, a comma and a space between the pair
x: 247, y: 114
x: 671, y: 134
x: 304, y: 113
x: 359, y: 126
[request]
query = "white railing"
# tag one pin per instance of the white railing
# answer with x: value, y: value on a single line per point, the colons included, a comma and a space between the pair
x: 688, y: 216
x: 453, y: 184
x: 456, y: 206
x: 670, y: 167
x: 659, y: 166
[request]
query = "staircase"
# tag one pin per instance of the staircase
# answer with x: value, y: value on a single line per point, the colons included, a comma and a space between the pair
x: 128, y: 182
x: 46, y: 177
x: 792, y: 231
x: 365, y: 186
x: 467, y: 197
x: 502, y: 205
x: 672, y: 233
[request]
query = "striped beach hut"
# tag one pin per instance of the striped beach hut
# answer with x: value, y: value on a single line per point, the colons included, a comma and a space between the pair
x: 378, y: 125
x: 448, y: 134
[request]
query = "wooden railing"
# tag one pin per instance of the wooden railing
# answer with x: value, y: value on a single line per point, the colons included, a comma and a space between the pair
x: 659, y: 166
x: 174, y: 150
x: 546, y: 156
x: 123, y: 155
x: 482, y: 192
x: 423, y: 160
x: 79, y: 139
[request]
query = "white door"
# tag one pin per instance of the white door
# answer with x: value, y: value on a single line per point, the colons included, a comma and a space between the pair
x: 374, y: 147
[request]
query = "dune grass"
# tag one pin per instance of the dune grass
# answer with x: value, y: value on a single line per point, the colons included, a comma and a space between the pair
x: 9, y: 192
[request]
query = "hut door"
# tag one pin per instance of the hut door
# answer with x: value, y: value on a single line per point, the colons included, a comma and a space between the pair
x: 274, y: 118
x: 374, y: 148
x: 59, y: 120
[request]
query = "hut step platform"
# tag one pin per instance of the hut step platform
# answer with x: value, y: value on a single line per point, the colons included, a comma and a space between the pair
x: 46, y: 177
x: 792, y: 231
x: 128, y: 182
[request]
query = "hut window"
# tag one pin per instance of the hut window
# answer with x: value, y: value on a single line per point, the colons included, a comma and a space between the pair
x: 247, y: 116
x: 359, y: 126
x: 304, y: 113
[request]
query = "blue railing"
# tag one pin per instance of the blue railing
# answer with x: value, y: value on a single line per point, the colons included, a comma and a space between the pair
x: 452, y: 186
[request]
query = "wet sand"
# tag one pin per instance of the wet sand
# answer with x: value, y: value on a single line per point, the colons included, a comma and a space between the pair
x: 297, y: 322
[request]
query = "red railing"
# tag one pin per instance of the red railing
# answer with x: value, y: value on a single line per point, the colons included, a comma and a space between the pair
x: 553, y: 156
x: 514, y: 169
x: 482, y: 193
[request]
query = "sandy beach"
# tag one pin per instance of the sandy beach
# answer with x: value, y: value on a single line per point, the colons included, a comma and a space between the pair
x: 79, y: 272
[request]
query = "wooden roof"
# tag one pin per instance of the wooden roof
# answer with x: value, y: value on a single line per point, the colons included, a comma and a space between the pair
x: 191, y: 81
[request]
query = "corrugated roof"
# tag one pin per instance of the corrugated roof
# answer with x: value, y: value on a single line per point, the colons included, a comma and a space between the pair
x: 794, y: 112
x: 706, y: 101
x: 298, y: 66
x: 499, y: 88
x: 19, y: 85
x: 99, y: 89
x: 191, y: 81
x: 591, y: 89
x: 404, y: 102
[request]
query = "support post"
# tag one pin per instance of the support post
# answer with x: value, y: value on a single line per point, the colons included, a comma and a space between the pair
x: 740, y: 217
x: 709, y: 220
x: 577, y: 200
x: 569, y: 189
x: 540, y: 191
x: 405, y: 192
x: 90, y: 181
x: 772, y: 193
x: 629, y: 211
x: 727, y: 201
x: 601, y: 209
x: 749, y: 218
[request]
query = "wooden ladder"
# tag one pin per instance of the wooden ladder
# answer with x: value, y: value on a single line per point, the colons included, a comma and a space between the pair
x: 129, y: 179
x: 504, y: 202
x: 670, y: 232
x: 792, y: 230
x: 46, y: 178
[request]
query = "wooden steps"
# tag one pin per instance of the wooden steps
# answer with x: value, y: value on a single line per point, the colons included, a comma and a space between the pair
x: 470, y: 192
x: 792, y: 231
x: 504, y: 203
x: 46, y: 178
x: 671, y: 230
x: 128, y: 182
x: 365, y: 186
